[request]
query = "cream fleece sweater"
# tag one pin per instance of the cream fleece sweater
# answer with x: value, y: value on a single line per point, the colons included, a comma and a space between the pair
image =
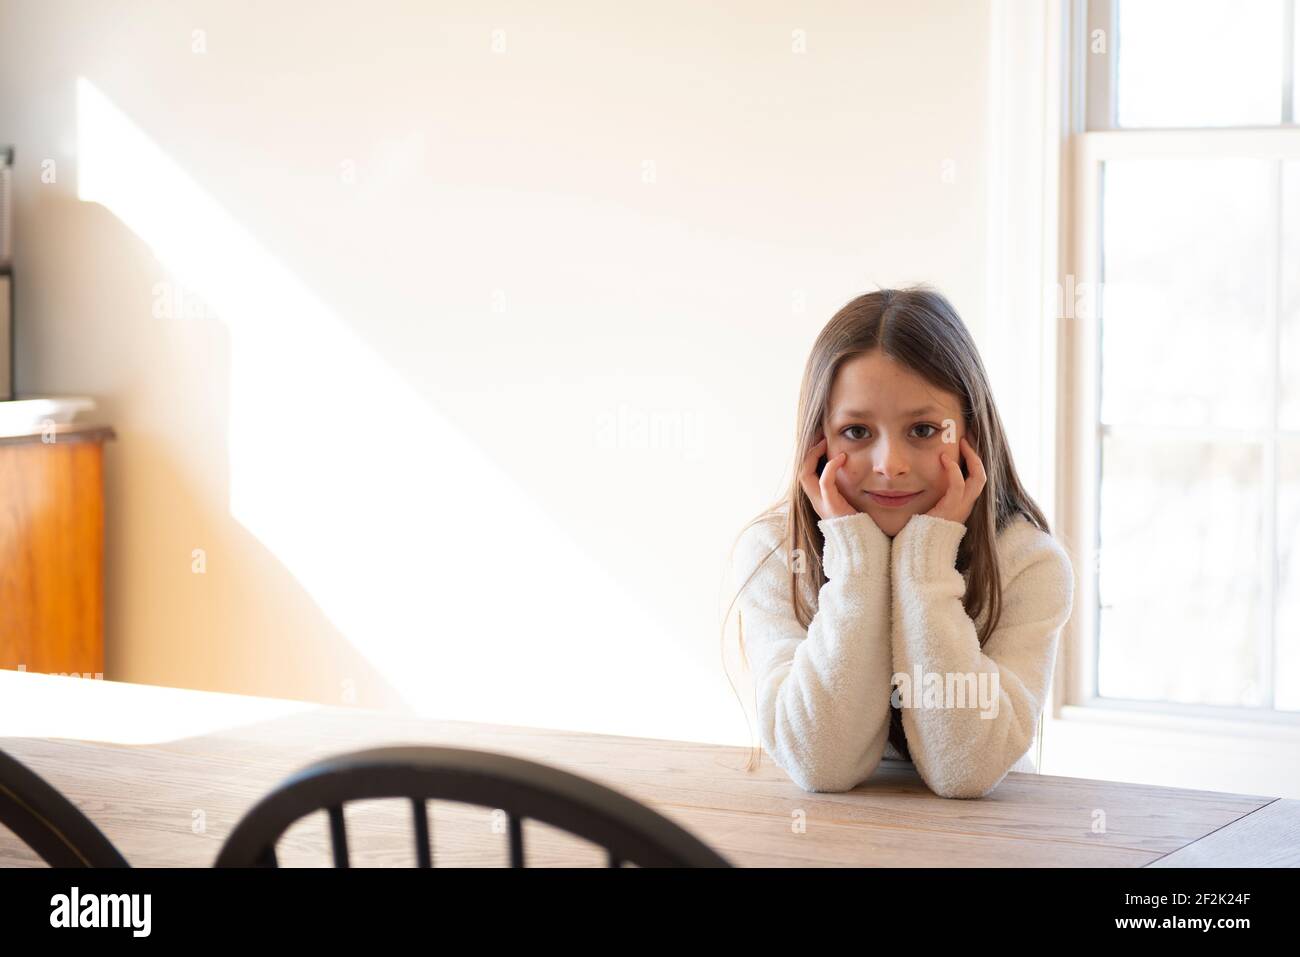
x: 894, y: 606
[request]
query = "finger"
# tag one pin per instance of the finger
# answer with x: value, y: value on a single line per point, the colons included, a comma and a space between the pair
x: 956, y: 481
x: 974, y: 484
x: 978, y: 477
x: 810, y: 457
x: 977, y: 464
x: 832, y: 466
x: 828, y: 475
x: 808, y: 478
x: 809, y: 469
x: 830, y: 488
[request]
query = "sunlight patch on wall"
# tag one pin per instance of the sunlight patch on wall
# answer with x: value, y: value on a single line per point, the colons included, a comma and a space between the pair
x: 437, y: 565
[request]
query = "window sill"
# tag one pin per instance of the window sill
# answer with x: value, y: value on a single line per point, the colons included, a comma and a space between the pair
x: 1118, y: 743
x: 1183, y: 718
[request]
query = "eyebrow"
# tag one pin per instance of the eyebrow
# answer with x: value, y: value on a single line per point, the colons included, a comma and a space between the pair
x: 855, y: 414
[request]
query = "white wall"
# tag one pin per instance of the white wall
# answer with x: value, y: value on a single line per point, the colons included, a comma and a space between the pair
x: 441, y: 289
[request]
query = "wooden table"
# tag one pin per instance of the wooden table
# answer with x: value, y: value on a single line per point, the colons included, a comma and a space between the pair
x: 167, y: 772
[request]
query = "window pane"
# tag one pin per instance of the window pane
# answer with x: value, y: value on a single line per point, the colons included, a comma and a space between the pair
x: 1289, y: 331
x: 1287, y: 641
x: 1185, y: 245
x: 1286, y: 689
x: 1180, y: 573
x: 1199, y: 63
x: 1295, y: 73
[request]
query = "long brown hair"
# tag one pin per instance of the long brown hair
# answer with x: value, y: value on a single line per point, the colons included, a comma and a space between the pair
x: 917, y: 327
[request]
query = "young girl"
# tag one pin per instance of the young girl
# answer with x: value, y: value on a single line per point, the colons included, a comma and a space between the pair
x: 906, y: 553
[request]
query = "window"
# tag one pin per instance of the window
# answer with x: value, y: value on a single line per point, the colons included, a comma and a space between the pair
x: 1185, y: 344
x: 1202, y: 63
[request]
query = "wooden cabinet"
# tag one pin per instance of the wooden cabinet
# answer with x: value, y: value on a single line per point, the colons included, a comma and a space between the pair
x: 52, y: 550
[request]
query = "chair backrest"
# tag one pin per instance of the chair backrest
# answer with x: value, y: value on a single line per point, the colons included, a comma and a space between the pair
x: 628, y: 830
x: 49, y: 823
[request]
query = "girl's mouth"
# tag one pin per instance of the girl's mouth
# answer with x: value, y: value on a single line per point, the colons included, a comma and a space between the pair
x: 892, y: 501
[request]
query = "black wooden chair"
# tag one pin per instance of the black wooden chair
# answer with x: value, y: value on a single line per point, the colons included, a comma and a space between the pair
x: 49, y: 823
x: 628, y: 830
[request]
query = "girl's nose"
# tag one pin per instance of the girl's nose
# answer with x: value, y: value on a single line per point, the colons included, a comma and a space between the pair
x: 889, y: 459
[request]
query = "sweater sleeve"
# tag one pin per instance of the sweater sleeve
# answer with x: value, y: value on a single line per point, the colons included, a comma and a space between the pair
x: 966, y: 751
x: 822, y: 693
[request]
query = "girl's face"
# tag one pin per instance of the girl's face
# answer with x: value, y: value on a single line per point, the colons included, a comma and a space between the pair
x: 892, y: 423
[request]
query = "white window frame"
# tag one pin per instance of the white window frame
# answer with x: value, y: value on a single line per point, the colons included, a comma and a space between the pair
x: 1240, y: 750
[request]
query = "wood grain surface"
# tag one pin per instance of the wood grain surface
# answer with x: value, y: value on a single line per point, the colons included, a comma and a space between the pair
x: 166, y: 773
